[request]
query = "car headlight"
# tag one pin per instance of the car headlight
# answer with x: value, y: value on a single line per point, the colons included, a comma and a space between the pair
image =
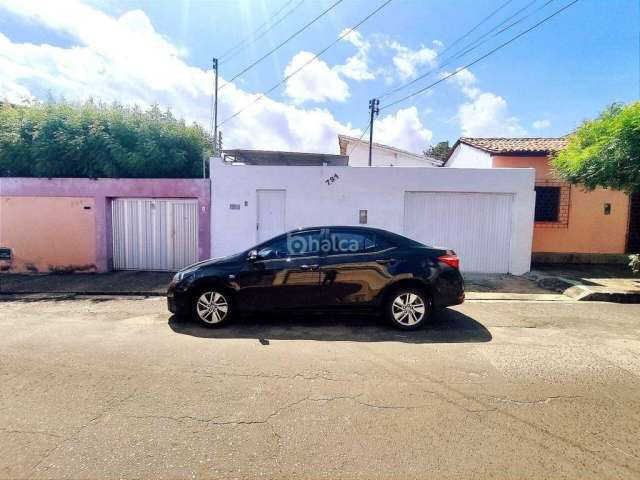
x: 182, y: 275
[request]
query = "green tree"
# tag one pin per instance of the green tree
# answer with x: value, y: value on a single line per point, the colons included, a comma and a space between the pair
x: 92, y: 139
x: 440, y: 151
x: 604, y: 152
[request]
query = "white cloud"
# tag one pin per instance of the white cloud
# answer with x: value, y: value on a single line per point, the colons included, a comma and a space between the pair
x: 541, y: 124
x: 125, y: 59
x: 485, y: 114
x: 488, y: 116
x: 466, y: 81
x: 11, y: 91
x: 407, y: 61
x: 357, y: 66
x: 403, y: 130
x: 316, y: 82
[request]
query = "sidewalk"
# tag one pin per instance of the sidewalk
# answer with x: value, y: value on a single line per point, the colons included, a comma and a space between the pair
x: 557, y: 283
x: 155, y: 283
x: 605, y: 283
x: 111, y: 283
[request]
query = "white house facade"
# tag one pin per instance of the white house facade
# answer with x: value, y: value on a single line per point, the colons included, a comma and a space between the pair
x: 467, y: 156
x: 382, y: 155
x: 485, y: 215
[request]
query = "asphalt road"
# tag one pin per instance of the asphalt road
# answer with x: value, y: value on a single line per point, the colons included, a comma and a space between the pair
x: 117, y: 389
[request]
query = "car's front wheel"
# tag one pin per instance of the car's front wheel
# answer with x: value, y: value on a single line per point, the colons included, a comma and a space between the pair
x: 407, y: 308
x: 212, y: 307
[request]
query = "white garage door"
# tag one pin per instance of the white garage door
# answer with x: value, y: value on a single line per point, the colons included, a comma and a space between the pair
x: 154, y: 234
x: 476, y: 225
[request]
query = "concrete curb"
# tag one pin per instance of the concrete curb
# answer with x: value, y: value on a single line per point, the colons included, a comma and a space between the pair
x: 71, y: 295
x: 471, y: 296
x: 575, y: 292
x: 584, y: 293
x: 581, y: 292
x: 520, y: 297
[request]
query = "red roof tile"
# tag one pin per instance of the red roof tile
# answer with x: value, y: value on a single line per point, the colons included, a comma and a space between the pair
x: 517, y: 145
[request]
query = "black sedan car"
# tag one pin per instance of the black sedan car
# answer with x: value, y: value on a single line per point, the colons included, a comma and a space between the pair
x: 322, y: 268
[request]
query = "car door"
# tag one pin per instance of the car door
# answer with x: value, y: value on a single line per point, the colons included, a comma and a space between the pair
x: 285, y: 273
x: 356, y: 268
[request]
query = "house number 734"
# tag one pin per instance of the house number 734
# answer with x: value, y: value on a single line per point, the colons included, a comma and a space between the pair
x: 332, y: 179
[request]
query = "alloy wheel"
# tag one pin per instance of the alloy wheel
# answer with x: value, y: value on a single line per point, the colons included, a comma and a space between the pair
x: 408, y: 309
x: 212, y: 307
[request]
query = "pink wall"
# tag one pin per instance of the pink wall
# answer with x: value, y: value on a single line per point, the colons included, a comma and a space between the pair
x: 48, y: 233
x: 101, y: 191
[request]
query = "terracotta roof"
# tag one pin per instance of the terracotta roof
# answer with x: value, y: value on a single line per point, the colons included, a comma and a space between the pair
x: 517, y: 145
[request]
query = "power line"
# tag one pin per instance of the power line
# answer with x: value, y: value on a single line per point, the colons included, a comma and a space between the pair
x: 255, y: 36
x: 499, y: 47
x: 248, y: 37
x: 486, y: 38
x: 312, y: 59
x: 455, y: 42
x: 281, y: 44
x: 479, y: 41
x: 355, y: 144
x: 517, y: 12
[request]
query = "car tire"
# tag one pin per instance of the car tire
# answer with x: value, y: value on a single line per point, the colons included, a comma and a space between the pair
x: 213, y: 307
x: 407, y: 308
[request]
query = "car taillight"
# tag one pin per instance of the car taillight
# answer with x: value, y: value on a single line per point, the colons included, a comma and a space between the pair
x: 450, y: 259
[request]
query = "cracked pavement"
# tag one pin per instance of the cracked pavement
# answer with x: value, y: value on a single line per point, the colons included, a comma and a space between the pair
x: 115, y: 388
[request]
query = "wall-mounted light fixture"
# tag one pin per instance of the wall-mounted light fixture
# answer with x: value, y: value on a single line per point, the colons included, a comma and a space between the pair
x: 607, y: 209
x: 363, y: 217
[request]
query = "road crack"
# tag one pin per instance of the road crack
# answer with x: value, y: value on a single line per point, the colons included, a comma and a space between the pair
x: 109, y: 408
x: 541, y: 401
x: 266, y: 375
x: 216, y: 420
x: 29, y: 432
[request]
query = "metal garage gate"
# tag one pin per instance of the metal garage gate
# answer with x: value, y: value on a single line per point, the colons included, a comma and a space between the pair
x: 476, y: 225
x: 154, y: 234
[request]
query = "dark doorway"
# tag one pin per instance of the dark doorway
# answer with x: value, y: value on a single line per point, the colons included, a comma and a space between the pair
x: 633, y: 239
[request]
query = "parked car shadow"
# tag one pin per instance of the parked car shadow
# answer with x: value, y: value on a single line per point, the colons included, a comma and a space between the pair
x: 447, y: 326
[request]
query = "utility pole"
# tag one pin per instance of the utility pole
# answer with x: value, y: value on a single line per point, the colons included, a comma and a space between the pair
x: 215, y: 104
x: 375, y: 110
x: 213, y: 127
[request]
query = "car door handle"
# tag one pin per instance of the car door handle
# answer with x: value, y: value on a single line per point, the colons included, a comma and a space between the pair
x: 309, y: 267
x: 386, y: 261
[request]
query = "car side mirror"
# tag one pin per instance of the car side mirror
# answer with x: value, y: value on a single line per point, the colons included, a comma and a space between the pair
x: 253, y: 256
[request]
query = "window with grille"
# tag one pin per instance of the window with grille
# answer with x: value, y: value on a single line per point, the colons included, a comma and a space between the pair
x: 547, y: 204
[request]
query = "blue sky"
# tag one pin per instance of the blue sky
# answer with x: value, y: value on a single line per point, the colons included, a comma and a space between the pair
x: 544, y: 84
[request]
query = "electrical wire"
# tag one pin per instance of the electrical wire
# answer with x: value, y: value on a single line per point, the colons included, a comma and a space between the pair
x: 486, y: 38
x: 312, y: 59
x: 283, y: 43
x: 364, y: 132
x: 248, y: 37
x: 491, y: 52
x: 517, y: 12
x: 255, y: 36
x: 466, y: 49
x: 455, y: 42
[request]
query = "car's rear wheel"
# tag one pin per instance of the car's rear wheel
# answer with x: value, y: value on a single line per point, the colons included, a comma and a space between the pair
x: 408, y: 308
x: 213, y: 307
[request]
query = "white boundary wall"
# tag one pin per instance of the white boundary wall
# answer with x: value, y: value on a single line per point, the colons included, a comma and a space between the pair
x: 379, y: 190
